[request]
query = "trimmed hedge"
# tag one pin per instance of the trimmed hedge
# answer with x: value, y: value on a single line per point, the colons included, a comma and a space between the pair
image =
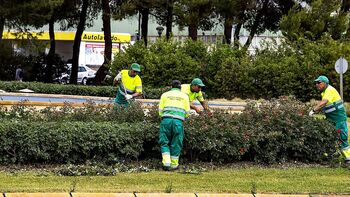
x: 266, y: 132
x: 46, y: 88
x: 68, y: 142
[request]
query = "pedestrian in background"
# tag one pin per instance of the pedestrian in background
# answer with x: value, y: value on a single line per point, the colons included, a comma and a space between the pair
x: 333, y: 107
x: 174, y: 107
x: 19, y: 73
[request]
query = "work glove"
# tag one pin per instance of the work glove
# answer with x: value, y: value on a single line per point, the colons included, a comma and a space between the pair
x: 128, y: 96
x: 198, y: 110
x: 118, y: 77
x: 311, y: 113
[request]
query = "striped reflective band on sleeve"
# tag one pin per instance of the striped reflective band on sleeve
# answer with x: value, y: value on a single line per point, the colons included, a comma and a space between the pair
x: 334, y: 106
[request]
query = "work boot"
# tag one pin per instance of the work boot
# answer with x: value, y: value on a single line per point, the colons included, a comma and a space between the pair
x: 345, y: 164
x: 166, y: 168
x: 175, y: 169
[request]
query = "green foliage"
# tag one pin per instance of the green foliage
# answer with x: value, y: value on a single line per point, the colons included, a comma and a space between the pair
x: 103, y: 91
x: 89, y: 112
x: 275, y: 70
x: 266, y: 132
x: 321, y: 18
x: 68, y: 142
x: 226, y: 72
x: 194, y: 13
x: 8, y: 61
x: 163, y: 61
x: 280, y: 129
x: 38, y: 87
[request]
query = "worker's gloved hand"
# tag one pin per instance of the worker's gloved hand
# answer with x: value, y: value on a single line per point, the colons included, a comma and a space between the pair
x: 311, y: 113
x: 118, y: 77
x: 128, y: 96
x: 198, y: 110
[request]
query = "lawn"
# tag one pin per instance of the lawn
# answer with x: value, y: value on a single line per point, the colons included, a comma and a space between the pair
x: 232, y: 180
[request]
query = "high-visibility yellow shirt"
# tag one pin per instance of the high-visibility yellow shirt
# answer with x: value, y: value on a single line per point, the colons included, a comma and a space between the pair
x: 174, y: 104
x: 186, y: 88
x: 331, y: 94
x: 334, y: 110
x: 132, y: 84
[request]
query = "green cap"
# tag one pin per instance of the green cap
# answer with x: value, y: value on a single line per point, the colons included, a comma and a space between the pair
x: 322, y: 78
x: 136, y: 67
x: 197, y: 81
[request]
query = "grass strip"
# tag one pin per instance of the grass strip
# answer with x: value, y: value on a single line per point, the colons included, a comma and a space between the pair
x: 233, y: 180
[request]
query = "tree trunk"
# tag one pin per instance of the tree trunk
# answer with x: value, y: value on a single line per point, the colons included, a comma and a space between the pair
x: 255, y: 26
x: 252, y: 33
x: 106, y: 18
x: 193, y: 32
x: 77, y: 40
x: 228, y: 29
x: 236, y: 35
x: 345, y: 6
x: 2, y: 24
x: 144, y: 24
x: 52, y: 52
x: 169, y: 19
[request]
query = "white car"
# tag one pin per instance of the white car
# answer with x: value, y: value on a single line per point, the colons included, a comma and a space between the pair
x: 85, y: 74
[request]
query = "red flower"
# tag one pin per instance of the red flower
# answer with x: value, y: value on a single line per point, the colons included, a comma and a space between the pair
x: 242, y: 150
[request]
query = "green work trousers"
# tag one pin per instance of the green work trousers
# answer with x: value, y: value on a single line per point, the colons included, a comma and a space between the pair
x: 120, y: 100
x: 343, y: 134
x: 171, y: 136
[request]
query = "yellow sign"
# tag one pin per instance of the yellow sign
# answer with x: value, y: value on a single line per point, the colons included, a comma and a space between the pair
x: 87, y: 36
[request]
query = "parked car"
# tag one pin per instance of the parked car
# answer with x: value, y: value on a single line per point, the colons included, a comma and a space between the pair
x: 85, y: 75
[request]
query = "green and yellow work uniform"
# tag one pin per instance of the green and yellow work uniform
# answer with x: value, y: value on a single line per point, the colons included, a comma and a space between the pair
x: 335, y: 113
x: 131, y: 84
x: 174, y: 107
x: 186, y: 88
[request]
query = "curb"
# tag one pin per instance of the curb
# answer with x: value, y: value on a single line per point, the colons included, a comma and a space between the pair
x: 61, y: 100
x: 78, y: 194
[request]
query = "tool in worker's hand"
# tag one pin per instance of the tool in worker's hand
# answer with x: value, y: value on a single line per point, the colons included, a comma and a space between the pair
x: 127, y: 96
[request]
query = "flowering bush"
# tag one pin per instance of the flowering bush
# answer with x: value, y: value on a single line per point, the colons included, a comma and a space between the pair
x: 266, y: 132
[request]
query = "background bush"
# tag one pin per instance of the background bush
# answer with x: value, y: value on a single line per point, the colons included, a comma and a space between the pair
x: 47, y: 88
x: 275, y: 70
x: 287, y: 68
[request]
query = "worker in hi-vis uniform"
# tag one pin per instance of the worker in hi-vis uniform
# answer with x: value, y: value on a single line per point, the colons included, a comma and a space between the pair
x: 193, y: 91
x: 333, y: 107
x: 174, y: 107
x: 130, y: 85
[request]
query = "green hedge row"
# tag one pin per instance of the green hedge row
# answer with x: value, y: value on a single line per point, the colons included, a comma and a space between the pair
x: 266, y: 132
x: 46, y: 88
